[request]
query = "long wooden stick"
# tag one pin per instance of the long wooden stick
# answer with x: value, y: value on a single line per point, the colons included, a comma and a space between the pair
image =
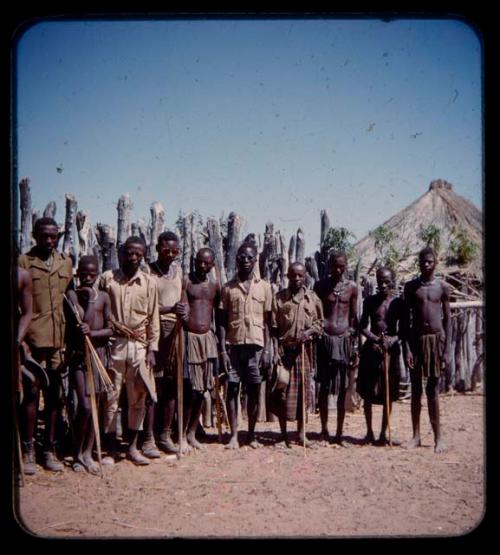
x: 302, y: 372
x: 93, y: 407
x: 386, y: 403
x: 180, y: 385
x: 218, y: 408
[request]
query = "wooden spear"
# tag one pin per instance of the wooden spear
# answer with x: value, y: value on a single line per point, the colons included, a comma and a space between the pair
x: 302, y: 373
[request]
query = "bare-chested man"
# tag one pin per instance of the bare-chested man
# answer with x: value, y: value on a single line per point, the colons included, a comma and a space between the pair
x: 94, y: 310
x: 200, y: 296
x: 380, y: 323
x: 427, y: 342
x: 336, y: 348
x: 245, y: 321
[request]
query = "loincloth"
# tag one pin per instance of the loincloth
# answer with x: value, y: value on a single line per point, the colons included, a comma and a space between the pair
x: 429, y: 350
x: 78, y: 363
x: 370, y: 382
x: 200, y: 359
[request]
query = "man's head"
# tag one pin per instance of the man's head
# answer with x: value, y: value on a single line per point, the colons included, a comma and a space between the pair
x: 337, y: 264
x: 87, y: 270
x: 167, y: 247
x: 131, y: 254
x: 385, y: 280
x: 427, y: 260
x: 246, y: 257
x: 296, y: 276
x: 204, y: 261
x: 46, y: 234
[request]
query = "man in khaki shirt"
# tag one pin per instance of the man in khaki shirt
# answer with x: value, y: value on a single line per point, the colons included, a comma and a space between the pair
x: 244, y: 326
x: 51, y: 274
x: 134, y: 304
x: 296, y: 321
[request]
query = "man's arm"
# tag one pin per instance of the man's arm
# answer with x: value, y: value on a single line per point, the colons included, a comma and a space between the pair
x: 153, y: 329
x: 405, y: 328
x: 364, y: 323
x: 353, y: 309
x: 445, y: 301
x: 25, y: 303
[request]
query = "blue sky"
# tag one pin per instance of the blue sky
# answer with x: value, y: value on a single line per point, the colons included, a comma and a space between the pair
x: 274, y: 119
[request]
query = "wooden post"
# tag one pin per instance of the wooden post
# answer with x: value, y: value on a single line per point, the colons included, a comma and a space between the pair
x: 69, y: 227
x: 233, y: 239
x: 283, y: 262
x: 291, y: 250
x: 325, y: 226
x: 50, y: 210
x: 300, y: 247
x: 157, y: 227
x: 26, y: 221
x: 123, y: 208
x: 267, y: 253
x: 86, y: 237
x: 105, y: 236
x: 215, y: 242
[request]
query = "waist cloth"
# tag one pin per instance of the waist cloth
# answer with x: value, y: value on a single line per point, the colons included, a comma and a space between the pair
x: 370, y: 382
x: 428, y: 354
x: 77, y: 363
x: 200, y: 359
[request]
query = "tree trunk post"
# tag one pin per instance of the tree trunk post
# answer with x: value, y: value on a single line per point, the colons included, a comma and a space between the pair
x: 123, y: 208
x: 69, y: 227
x: 24, y: 241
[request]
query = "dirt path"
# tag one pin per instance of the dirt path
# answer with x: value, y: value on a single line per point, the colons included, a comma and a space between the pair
x: 331, y: 492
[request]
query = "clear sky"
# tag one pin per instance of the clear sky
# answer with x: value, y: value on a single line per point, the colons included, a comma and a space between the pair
x: 274, y: 119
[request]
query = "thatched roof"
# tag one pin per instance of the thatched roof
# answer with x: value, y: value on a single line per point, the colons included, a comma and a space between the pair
x: 439, y: 206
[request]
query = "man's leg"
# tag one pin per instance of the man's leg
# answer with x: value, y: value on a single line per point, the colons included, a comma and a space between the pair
x: 28, y: 413
x: 416, y: 406
x: 253, y: 394
x: 324, y: 391
x: 367, y: 409
x: 110, y: 410
x: 341, y: 396
x: 53, y: 406
x: 82, y: 420
x: 168, y: 402
x: 233, y: 390
x: 432, y: 392
x: 136, y: 396
x: 196, y: 408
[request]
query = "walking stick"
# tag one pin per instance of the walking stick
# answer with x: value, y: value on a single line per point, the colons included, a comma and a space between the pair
x: 180, y: 385
x: 386, y: 400
x: 302, y: 373
x: 90, y: 377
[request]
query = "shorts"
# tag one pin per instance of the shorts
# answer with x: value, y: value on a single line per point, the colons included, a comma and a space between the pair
x: 245, y: 364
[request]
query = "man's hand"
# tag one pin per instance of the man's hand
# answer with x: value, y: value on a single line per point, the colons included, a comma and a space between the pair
x: 409, y: 360
x: 150, y: 359
x: 181, y: 310
x: 265, y: 364
x: 276, y: 359
x: 84, y: 328
x: 303, y: 336
x: 225, y: 362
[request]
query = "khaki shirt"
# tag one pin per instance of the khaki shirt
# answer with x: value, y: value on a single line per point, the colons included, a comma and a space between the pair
x: 134, y: 302
x: 246, y: 312
x: 294, y: 313
x: 49, y: 284
x: 169, y: 288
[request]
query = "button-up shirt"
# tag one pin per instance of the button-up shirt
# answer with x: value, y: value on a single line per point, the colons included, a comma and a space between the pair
x: 246, y: 311
x: 134, y: 302
x: 295, y: 313
x: 47, y: 326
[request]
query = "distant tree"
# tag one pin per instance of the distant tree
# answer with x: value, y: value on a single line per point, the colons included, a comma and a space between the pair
x: 461, y: 249
x: 338, y: 239
x: 431, y: 236
x: 383, y: 238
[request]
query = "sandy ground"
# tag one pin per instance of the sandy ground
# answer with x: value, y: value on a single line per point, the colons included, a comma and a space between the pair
x: 326, y: 492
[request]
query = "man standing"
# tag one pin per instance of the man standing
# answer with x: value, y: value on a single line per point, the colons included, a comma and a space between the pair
x: 381, y: 323
x: 51, y: 275
x: 297, y: 321
x: 168, y: 275
x: 427, y: 342
x: 200, y: 295
x: 337, y: 347
x: 135, y: 317
x: 244, y: 328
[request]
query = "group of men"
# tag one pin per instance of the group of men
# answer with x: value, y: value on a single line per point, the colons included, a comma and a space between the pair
x: 168, y: 338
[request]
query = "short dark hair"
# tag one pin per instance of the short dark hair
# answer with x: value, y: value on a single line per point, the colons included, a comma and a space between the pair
x: 167, y: 236
x: 88, y: 259
x: 336, y: 254
x: 248, y: 245
x: 207, y: 249
x: 135, y: 239
x: 40, y: 222
x: 387, y: 269
x: 427, y: 250
x: 296, y: 263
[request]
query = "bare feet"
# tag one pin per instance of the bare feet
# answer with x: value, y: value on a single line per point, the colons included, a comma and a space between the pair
x: 283, y: 443
x: 253, y: 443
x: 439, y: 447
x: 412, y: 444
x: 369, y: 438
x: 337, y: 440
x: 191, y: 439
x: 91, y: 465
x: 233, y: 443
x: 383, y: 440
x: 77, y: 466
x: 324, y: 437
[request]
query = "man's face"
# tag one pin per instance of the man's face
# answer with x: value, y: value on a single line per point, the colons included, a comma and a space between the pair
x: 46, y: 238
x: 87, y: 274
x: 296, y: 277
x: 245, y: 259
x: 203, y: 263
x: 384, y: 282
x: 427, y: 263
x: 167, y: 251
x: 132, y: 255
x: 338, y: 267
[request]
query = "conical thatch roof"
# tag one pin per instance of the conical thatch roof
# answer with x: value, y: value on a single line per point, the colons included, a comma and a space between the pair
x: 441, y: 207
